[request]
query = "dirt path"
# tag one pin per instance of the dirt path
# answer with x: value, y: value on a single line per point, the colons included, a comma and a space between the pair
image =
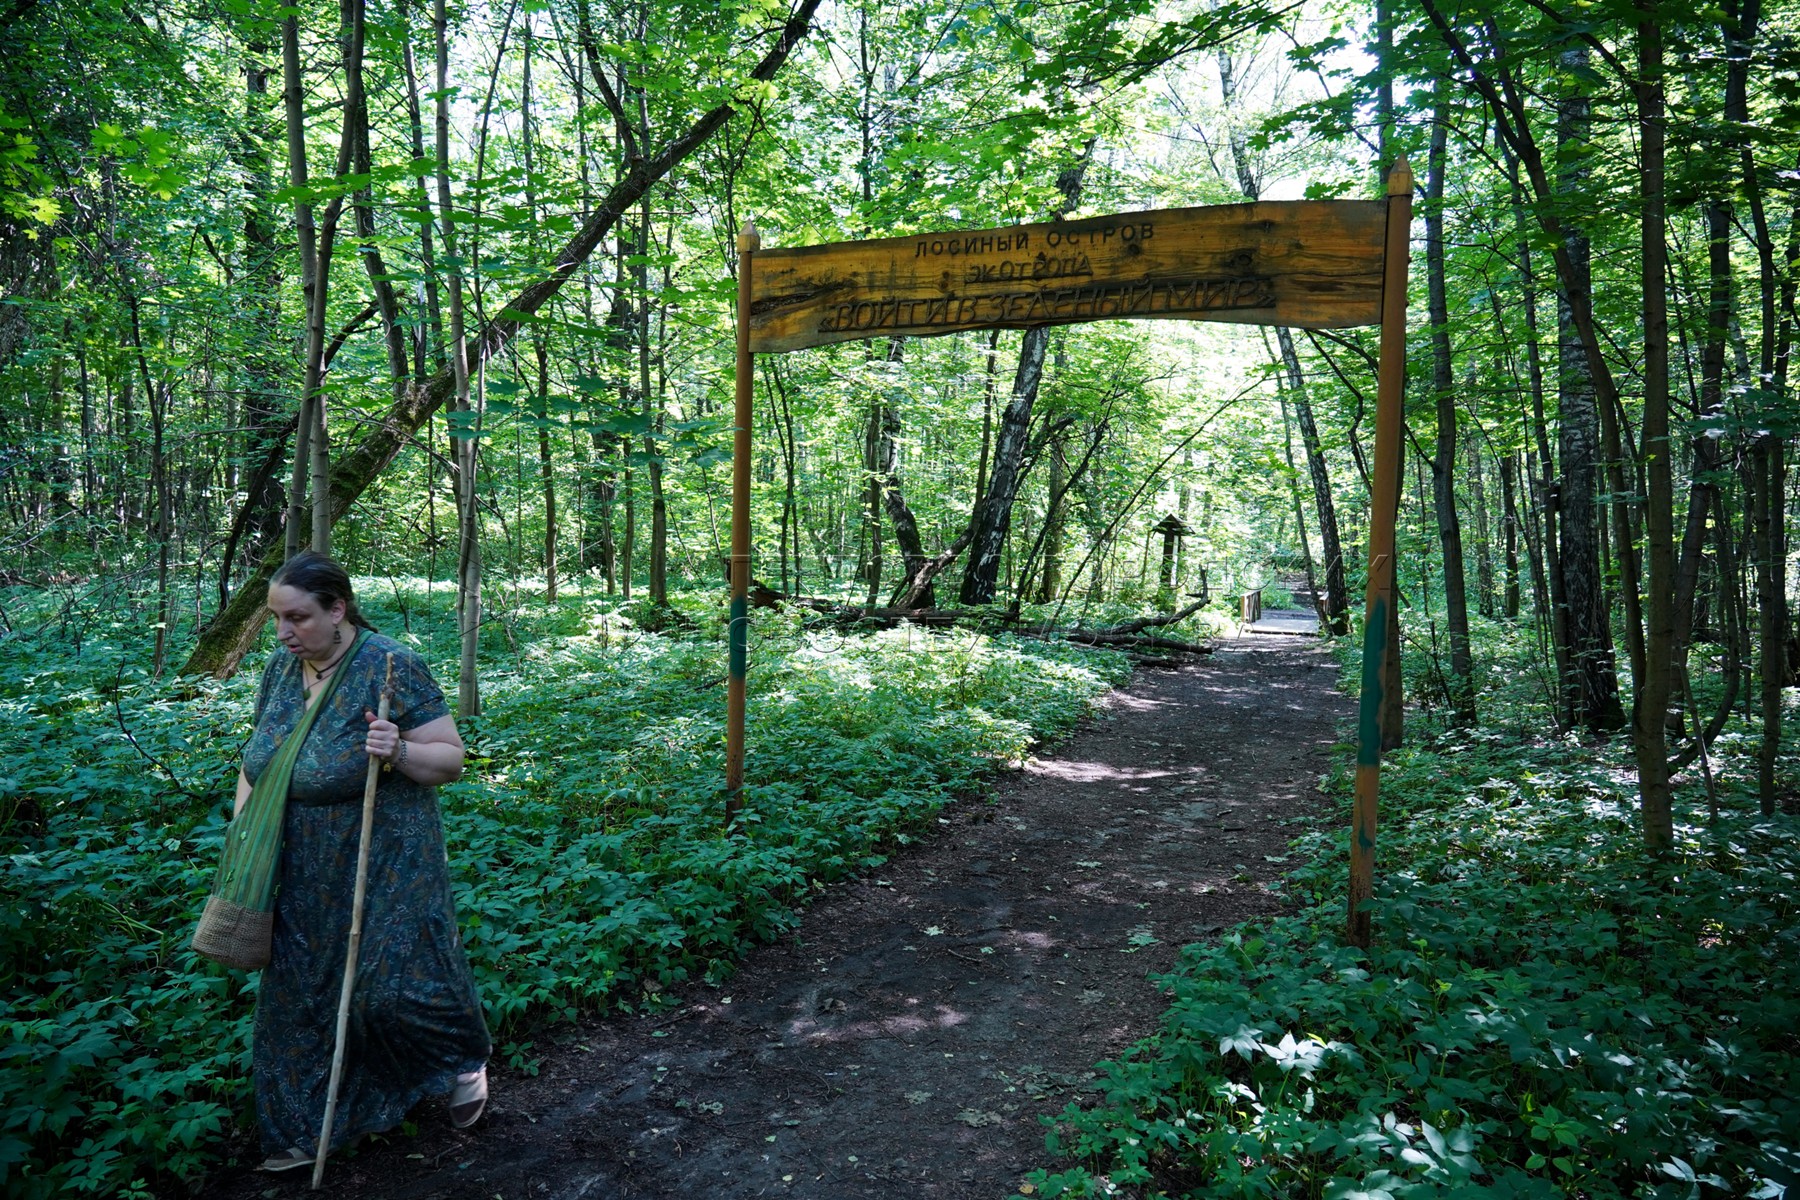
x: 904, y: 1040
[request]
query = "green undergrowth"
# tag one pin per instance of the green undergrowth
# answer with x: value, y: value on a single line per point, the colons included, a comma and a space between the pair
x: 1543, y: 1013
x: 590, y: 864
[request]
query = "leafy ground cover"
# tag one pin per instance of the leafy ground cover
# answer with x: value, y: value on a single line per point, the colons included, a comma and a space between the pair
x: 1545, y: 1012
x: 590, y: 864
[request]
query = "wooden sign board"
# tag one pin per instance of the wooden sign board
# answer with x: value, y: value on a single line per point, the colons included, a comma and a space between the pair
x: 1309, y: 263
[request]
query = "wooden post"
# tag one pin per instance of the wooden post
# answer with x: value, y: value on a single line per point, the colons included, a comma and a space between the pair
x: 1171, y: 527
x: 1383, y: 500
x: 738, y: 634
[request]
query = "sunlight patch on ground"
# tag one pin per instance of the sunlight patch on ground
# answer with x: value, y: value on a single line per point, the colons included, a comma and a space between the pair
x: 894, y: 1026
x: 1130, y: 703
x: 1076, y: 771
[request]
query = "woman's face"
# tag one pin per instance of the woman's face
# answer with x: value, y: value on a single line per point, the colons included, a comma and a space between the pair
x: 303, y: 626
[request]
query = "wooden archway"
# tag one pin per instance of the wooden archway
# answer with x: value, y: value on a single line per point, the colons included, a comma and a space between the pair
x: 1315, y: 264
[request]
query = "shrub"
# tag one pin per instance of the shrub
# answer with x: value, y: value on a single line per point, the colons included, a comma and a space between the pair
x: 590, y: 864
x: 1544, y: 1013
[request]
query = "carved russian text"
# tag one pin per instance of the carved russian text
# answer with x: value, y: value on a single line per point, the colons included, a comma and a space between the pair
x: 1308, y: 263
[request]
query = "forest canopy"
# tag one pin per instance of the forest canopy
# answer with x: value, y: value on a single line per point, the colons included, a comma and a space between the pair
x: 448, y: 290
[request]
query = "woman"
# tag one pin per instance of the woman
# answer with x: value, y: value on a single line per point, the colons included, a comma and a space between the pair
x: 416, y: 1026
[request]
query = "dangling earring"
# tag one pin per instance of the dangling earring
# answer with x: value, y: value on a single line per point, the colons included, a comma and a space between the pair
x: 337, y: 635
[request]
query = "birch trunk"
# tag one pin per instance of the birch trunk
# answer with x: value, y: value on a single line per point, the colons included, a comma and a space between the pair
x: 462, y: 430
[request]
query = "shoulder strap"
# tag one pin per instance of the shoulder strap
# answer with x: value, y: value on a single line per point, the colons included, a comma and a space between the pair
x: 278, y: 775
x: 253, y: 840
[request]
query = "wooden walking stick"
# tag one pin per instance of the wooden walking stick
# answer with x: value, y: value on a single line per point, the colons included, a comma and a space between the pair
x: 356, y: 917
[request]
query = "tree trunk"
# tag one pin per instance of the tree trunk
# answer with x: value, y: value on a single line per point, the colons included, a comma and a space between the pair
x: 877, y: 461
x: 990, y: 388
x: 158, y: 395
x: 1509, y: 517
x: 1337, y: 587
x: 1287, y: 445
x: 790, y: 452
x: 350, y: 42
x: 991, y: 519
x: 1507, y: 102
x: 1768, y: 465
x: 1443, y: 465
x: 659, y: 505
x: 600, y: 548
x: 1592, y: 695
x: 1393, y: 709
x: 1051, y: 584
x: 293, y: 98
x: 257, y: 521
x: 1484, y: 547
x: 540, y: 343
x: 428, y: 333
x: 1649, y: 737
x: 90, y: 477
x: 1703, y: 492
x: 885, y: 481
x: 1546, y: 563
x: 1768, y: 475
x: 993, y: 514
x: 464, y: 430
x: 628, y: 542
x: 1732, y: 629
x: 546, y: 471
x: 356, y: 128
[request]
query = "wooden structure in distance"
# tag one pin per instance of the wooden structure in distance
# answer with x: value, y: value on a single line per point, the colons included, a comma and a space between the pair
x: 1316, y: 264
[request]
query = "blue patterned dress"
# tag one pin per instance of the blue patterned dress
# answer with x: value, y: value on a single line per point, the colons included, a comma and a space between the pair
x: 415, y: 1018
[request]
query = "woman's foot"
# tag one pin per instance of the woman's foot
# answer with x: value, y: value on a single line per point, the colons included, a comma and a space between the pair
x: 288, y: 1160
x: 468, y: 1099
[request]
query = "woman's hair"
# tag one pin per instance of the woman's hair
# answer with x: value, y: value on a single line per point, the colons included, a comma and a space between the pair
x: 327, y: 582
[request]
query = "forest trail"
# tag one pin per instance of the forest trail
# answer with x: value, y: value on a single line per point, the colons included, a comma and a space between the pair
x: 905, y: 1038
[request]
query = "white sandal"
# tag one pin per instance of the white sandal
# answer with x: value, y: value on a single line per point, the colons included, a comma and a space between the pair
x: 468, y: 1099
x: 288, y: 1160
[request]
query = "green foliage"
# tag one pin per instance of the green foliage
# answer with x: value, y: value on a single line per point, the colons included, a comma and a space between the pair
x: 590, y: 865
x: 1544, y: 1013
x: 24, y: 185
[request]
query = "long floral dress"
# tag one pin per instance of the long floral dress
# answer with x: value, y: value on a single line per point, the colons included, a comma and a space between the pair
x: 415, y: 1019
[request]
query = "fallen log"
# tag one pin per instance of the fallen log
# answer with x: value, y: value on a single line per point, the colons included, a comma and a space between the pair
x: 845, y: 615
x: 1137, y: 641
x: 1153, y: 662
x: 1127, y: 637
x: 1143, y: 623
x: 761, y: 595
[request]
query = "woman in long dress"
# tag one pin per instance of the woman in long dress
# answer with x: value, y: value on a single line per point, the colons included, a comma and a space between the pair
x: 416, y: 1027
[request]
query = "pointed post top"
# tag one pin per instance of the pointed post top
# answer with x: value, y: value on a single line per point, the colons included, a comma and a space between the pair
x: 748, y: 239
x: 1400, y: 178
